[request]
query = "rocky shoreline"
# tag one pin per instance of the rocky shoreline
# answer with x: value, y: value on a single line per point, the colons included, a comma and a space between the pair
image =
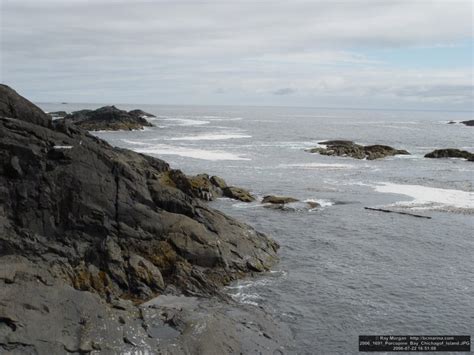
x: 106, y: 250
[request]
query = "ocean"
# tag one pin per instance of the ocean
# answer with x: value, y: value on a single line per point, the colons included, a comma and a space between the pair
x: 344, y: 271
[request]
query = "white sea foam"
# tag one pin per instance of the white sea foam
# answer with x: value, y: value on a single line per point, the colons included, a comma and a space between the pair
x: 219, y: 118
x: 134, y: 142
x: 323, y: 166
x: 210, y: 137
x: 164, y: 149
x: 425, y: 197
x: 321, y: 202
x: 186, y: 121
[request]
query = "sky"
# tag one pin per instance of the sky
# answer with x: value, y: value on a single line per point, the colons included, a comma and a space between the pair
x: 401, y: 54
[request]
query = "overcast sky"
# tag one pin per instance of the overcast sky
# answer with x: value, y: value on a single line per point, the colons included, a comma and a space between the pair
x: 379, y: 53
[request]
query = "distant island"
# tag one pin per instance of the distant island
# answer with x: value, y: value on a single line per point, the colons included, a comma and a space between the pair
x: 107, y: 118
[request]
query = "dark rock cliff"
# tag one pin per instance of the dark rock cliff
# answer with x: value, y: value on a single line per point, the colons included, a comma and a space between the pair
x: 98, y: 226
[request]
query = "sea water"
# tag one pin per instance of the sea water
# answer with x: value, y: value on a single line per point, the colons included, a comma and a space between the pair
x: 344, y: 270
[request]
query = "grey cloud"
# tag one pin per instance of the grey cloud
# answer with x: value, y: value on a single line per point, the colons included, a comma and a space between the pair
x: 284, y: 91
x: 178, y: 49
x: 453, y: 93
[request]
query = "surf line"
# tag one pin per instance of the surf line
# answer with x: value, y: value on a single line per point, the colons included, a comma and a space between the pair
x: 390, y: 211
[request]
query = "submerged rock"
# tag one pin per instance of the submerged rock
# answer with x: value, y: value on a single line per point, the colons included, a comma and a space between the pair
x: 450, y: 153
x: 357, y: 151
x: 86, y: 228
x: 313, y: 204
x: 278, y: 199
x: 108, y: 118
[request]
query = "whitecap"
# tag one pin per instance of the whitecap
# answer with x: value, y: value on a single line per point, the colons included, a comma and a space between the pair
x: 164, y: 149
x: 210, y: 137
x: 321, y: 202
x: 325, y: 166
x: 133, y: 142
x: 246, y: 204
x: 186, y: 121
x: 425, y: 197
x: 219, y: 118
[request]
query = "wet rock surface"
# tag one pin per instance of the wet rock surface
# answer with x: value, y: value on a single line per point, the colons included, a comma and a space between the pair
x: 278, y: 199
x: 451, y: 153
x: 468, y: 123
x: 204, y: 187
x: 88, y: 233
x: 108, y: 118
x: 350, y: 149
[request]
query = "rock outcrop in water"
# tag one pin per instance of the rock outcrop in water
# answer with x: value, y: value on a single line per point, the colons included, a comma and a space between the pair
x: 468, y: 123
x: 350, y: 149
x: 286, y: 203
x: 109, y: 118
x: 451, y: 153
x: 89, y: 232
x: 204, y: 187
x: 279, y: 200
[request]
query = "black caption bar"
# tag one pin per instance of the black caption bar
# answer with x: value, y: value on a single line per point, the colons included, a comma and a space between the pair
x: 415, y: 343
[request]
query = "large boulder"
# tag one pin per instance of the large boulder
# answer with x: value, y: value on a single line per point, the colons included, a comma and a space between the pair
x: 85, y: 228
x: 450, y: 153
x: 350, y: 149
x: 238, y: 193
x: 278, y: 199
x: 468, y: 123
x: 13, y: 105
x: 108, y: 118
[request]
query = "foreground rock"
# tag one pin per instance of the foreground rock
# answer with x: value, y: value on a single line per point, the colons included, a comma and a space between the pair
x: 13, y: 105
x: 350, y: 149
x: 89, y: 232
x: 109, y: 118
x: 450, y: 153
x: 468, y: 123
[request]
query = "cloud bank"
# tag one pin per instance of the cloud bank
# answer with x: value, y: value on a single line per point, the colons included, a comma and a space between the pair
x: 239, y: 52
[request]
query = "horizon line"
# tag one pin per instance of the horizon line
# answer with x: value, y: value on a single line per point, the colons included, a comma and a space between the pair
x: 259, y: 106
